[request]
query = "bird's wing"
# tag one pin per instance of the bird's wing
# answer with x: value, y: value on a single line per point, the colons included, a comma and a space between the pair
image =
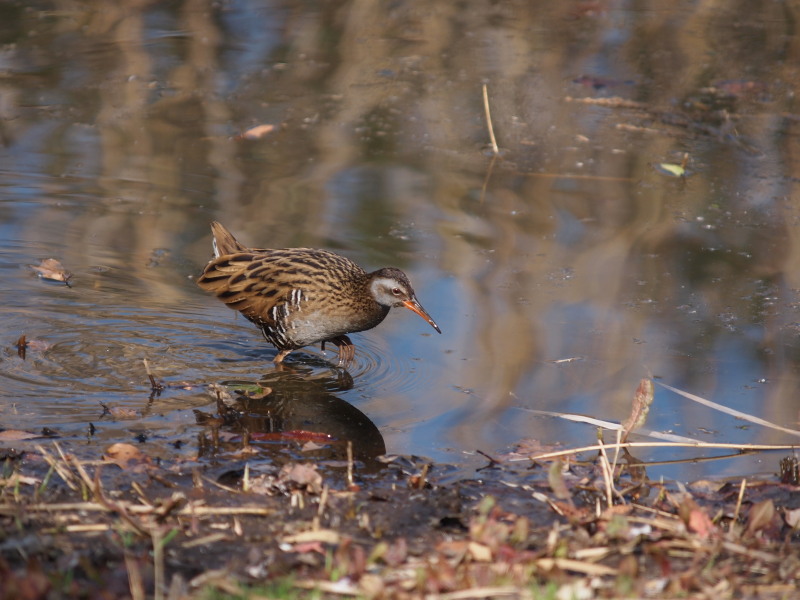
x: 248, y: 282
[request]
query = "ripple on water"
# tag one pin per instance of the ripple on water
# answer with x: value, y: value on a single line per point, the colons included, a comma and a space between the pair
x: 87, y: 348
x: 378, y: 368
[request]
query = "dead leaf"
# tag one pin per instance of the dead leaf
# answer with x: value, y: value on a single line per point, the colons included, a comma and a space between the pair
x: 792, y: 518
x: 642, y: 399
x: 311, y: 446
x: 479, y: 552
x: 303, y: 475
x: 128, y: 457
x: 28, y: 583
x: 119, y: 412
x: 259, y: 394
x: 397, y: 553
x: 695, y: 518
x: 22, y: 346
x: 15, y: 435
x: 760, y: 516
x: 309, y: 547
x: 257, y: 132
x: 555, y: 477
x: 51, y: 269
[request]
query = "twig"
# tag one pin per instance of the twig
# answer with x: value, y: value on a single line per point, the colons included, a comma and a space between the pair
x: 492, y: 461
x: 155, y: 387
x: 495, y: 149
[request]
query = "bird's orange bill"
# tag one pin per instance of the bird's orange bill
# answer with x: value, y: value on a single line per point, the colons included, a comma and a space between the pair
x: 415, y: 306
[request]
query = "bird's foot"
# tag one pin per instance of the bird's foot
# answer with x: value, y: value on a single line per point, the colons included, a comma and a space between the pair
x: 347, y: 351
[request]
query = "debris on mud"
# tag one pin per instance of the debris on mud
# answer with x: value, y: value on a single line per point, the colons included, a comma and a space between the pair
x: 135, y: 526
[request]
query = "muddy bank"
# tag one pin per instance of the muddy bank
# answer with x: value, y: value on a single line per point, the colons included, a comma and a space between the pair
x: 128, y: 525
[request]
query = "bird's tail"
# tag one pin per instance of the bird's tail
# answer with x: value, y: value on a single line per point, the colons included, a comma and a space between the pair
x: 224, y: 242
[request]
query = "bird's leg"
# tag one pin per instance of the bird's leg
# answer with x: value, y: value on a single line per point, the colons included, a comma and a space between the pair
x: 347, y: 351
x: 280, y: 356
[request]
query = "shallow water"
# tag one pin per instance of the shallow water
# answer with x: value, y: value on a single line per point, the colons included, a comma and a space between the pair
x: 560, y: 273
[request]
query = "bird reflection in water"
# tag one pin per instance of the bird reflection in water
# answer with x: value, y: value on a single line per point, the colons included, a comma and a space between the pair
x: 295, y: 412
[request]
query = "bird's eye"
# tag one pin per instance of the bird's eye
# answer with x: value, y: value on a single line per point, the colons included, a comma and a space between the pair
x: 397, y: 291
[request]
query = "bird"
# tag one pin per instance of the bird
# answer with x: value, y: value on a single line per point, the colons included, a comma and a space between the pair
x: 303, y: 296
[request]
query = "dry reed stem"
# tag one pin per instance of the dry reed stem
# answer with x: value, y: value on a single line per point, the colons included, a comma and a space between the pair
x: 350, y: 463
x: 135, y: 583
x: 730, y: 411
x: 186, y: 511
x: 485, y: 592
x: 608, y: 475
x: 707, y: 445
x: 742, y: 487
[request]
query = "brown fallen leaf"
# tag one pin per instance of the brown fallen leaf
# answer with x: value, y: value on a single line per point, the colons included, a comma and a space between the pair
x: 257, y: 132
x: 555, y: 477
x: 479, y: 552
x: 15, y: 435
x: 119, y: 412
x: 696, y: 518
x: 22, y: 346
x: 792, y: 518
x: 128, y: 457
x: 303, y: 475
x: 760, y: 516
x: 51, y: 269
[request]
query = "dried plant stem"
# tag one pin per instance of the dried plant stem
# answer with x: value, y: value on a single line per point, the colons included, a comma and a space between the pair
x: 423, y: 477
x: 134, y: 577
x: 158, y: 562
x: 608, y: 474
x: 730, y: 411
x: 489, y: 126
x: 349, y: 463
x: 155, y: 387
x: 323, y: 501
x: 742, y: 487
x: 710, y: 445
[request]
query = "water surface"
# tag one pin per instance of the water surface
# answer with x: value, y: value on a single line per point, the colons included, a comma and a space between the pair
x: 122, y: 140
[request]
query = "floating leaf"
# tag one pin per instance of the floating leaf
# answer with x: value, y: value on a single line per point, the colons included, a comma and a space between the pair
x: 22, y: 346
x: 119, y: 412
x: 670, y: 169
x: 673, y: 169
x: 15, y: 435
x: 257, y: 132
x: 127, y: 457
x: 51, y: 269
